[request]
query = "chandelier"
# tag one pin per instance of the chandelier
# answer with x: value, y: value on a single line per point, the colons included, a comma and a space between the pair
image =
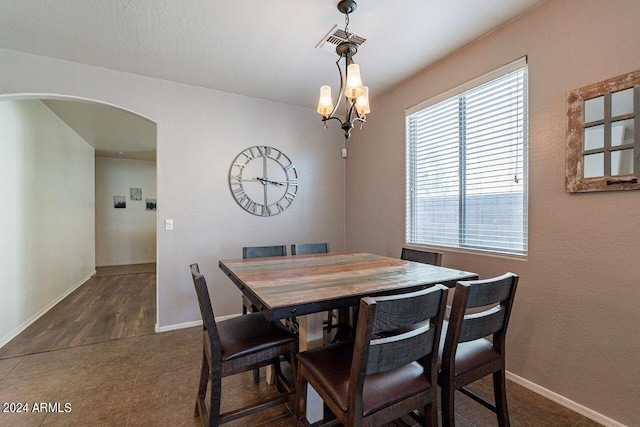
x: 356, y: 96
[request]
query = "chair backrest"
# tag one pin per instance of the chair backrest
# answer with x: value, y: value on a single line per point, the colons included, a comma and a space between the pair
x: 206, y: 310
x: 425, y: 257
x: 496, y: 297
x: 263, y: 251
x: 309, y: 248
x: 396, y: 330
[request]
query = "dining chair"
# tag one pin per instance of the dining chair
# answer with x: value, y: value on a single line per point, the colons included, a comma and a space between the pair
x: 247, y: 305
x: 341, y: 315
x: 309, y: 248
x: 425, y: 257
x: 391, y: 368
x: 234, y: 346
x: 259, y: 252
x: 263, y: 251
x: 466, y: 355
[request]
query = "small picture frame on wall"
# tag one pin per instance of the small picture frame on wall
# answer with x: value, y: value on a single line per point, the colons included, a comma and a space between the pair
x: 151, y: 204
x: 119, y: 202
x: 135, y: 194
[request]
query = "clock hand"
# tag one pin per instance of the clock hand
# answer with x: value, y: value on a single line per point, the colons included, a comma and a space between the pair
x: 265, y: 181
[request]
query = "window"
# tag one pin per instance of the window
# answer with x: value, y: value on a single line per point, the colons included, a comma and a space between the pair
x: 467, y: 165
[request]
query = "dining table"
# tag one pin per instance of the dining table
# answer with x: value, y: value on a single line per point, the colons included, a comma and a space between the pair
x: 305, y: 286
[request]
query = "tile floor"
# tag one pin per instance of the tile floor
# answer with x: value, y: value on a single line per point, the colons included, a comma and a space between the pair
x: 151, y: 380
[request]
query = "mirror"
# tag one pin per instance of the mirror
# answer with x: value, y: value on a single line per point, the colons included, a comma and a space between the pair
x: 594, y: 165
x: 622, y: 102
x: 594, y: 109
x: 622, y: 162
x: 603, y: 137
x: 621, y: 132
x: 594, y: 137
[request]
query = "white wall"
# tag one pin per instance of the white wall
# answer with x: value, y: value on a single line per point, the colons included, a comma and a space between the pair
x: 124, y: 236
x: 47, y: 246
x: 574, y: 327
x: 200, y: 132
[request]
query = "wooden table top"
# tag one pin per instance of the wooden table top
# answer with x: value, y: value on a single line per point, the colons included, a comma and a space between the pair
x: 302, y: 284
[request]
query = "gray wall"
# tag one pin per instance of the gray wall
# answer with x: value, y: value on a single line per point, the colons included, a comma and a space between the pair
x: 574, y: 328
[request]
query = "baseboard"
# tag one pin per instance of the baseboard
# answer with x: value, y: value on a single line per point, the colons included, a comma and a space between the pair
x: 561, y: 400
x: 42, y: 311
x: 184, y: 325
x: 153, y: 261
x: 178, y: 326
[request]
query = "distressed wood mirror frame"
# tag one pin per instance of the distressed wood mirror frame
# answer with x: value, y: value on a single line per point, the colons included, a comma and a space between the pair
x: 603, y: 136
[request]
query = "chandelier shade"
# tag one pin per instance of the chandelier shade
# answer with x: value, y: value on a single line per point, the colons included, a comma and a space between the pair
x: 354, y: 82
x: 325, y: 103
x: 362, y: 103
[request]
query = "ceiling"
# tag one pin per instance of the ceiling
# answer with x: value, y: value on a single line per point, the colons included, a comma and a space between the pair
x: 113, y: 132
x: 259, y: 48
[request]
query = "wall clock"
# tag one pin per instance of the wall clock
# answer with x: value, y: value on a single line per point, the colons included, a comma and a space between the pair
x: 263, y: 180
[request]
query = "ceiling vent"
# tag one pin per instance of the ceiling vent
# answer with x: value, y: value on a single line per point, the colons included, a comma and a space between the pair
x: 335, y: 36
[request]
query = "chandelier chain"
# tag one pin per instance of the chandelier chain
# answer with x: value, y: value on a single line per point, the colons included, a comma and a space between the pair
x: 346, y: 26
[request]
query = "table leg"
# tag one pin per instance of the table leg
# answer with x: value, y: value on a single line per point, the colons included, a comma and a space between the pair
x: 270, y: 369
x: 270, y: 373
x: 311, y: 337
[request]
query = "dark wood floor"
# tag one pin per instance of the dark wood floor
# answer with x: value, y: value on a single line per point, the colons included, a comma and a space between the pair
x: 151, y: 379
x: 117, y: 302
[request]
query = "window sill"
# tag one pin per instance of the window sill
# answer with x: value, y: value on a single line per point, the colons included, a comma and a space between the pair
x: 500, y: 255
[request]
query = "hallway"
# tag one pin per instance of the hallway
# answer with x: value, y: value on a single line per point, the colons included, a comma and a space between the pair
x: 117, y: 302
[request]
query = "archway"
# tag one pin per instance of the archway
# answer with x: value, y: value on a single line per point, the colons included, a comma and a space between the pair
x: 51, y: 143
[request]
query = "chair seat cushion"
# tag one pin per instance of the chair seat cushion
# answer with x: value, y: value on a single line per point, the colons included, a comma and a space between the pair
x: 469, y: 355
x: 331, y: 367
x: 250, y: 334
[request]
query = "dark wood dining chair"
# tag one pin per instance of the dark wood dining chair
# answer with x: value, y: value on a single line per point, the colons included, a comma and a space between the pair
x: 466, y: 355
x: 259, y: 252
x: 309, y: 248
x: 391, y: 368
x: 263, y: 251
x: 234, y: 346
x: 247, y: 305
x: 425, y: 257
x: 341, y: 315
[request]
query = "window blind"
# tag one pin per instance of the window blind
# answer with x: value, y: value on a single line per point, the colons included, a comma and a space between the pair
x: 466, y: 167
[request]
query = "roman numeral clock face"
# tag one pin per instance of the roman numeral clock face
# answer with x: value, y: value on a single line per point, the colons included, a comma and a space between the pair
x: 263, y: 180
